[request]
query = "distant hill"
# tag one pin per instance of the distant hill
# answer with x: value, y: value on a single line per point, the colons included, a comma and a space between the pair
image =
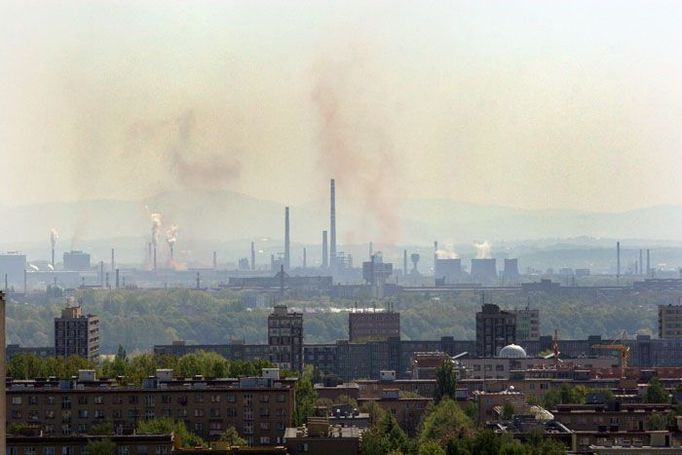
x: 228, y: 216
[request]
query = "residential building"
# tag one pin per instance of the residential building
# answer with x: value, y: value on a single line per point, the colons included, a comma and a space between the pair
x: 260, y: 408
x: 495, y: 329
x: 76, y: 334
x: 527, y: 324
x: 285, y: 338
x: 670, y: 322
x: 373, y: 326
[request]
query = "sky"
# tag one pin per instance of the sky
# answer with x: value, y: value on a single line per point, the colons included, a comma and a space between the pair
x: 530, y: 104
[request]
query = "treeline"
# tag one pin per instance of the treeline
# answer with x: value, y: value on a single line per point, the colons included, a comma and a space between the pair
x: 134, y: 368
x: 138, y: 319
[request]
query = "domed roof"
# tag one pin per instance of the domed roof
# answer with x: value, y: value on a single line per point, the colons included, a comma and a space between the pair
x: 512, y: 351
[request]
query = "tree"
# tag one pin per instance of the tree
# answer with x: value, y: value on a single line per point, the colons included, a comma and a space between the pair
x: 507, y: 410
x: 102, y: 428
x: 431, y: 448
x: 231, y: 437
x: 165, y: 425
x: 446, y: 381
x: 101, y: 447
x: 445, y: 423
x: 306, y: 396
x: 656, y: 421
x: 656, y: 393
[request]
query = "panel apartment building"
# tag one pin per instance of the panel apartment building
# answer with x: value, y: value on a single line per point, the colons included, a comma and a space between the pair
x: 76, y: 334
x: 285, y: 338
x: 260, y: 408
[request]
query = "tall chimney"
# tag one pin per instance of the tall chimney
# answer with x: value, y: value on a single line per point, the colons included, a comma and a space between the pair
x: 281, y: 280
x: 641, y: 262
x: 113, y: 262
x: 3, y: 398
x: 617, y: 262
x: 405, y: 262
x: 172, y: 252
x: 305, y: 259
x: 101, y: 273
x: 325, y: 251
x: 117, y: 277
x: 198, y: 280
x: 215, y: 260
x: 371, y: 250
x: 287, y: 257
x: 648, y: 263
x: 435, y: 257
x: 53, y: 266
x: 332, y: 225
x: 253, y: 256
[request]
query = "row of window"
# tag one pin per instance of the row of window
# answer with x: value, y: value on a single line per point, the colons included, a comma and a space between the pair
x: 69, y: 450
x: 149, y: 400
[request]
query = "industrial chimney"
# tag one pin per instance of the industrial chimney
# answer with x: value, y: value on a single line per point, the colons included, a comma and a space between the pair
x: 253, y: 256
x: 113, y: 262
x: 287, y: 257
x: 305, y: 259
x: 617, y: 262
x: 332, y: 225
x: 215, y: 260
x: 325, y: 251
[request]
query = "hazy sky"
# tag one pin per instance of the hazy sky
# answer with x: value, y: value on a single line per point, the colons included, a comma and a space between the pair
x: 547, y: 104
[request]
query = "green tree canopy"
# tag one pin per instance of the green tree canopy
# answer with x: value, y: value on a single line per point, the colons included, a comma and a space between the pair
x: 656, y: 393
x: 446, y: 381
x: 446, y: 422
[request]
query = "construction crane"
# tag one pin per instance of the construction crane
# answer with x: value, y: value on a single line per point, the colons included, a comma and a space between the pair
x: 622, y: 348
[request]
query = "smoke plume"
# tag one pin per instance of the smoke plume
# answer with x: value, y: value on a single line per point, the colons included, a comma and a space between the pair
x: 172, y: 235
x: 355, y: 146
x: 156, y: 227
x: 54, y: 235
x: 483, y: 250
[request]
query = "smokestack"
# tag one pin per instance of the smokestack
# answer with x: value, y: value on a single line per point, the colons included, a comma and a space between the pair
x: 371, y: 250
x: 617, y: 262
x: 215, y: 260
x: 281, y: 280
x: 405, y: 262
x: 287, y: 257
x: 117, y: 277
x: 53, y: 258
x: 305, y: 259
x: 3, y: 398
x: 154, y: 247
x: 641, y: 262
x: 435, y: 257
x: 332, y: 225
x: 198, y: 280
x: 325, y: 251
x: 113, y: 262
x: 101, y: 273
x: 648, y: 263
x: 253, y: 256
x: 172, y: 253
x: 107, y: 280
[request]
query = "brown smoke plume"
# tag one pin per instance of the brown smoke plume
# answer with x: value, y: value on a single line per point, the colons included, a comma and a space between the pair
x: 356, y: 146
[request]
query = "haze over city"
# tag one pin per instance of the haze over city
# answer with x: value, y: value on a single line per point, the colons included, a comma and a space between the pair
x: 340, y: 227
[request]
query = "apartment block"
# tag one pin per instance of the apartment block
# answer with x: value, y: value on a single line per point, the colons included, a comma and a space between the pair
x: 260, y: 408
x: 285, y: 338
x: 76, y: 333
x: 670, y: 322
x: 495, y: 329
x: 373, y: 326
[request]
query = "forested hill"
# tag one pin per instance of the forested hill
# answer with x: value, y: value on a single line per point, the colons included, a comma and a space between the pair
x: 138, y: 319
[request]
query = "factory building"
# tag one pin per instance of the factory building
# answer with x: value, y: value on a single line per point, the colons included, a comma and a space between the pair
x: 12, y: 267
x: 484, y: 271
x: 495, y: 329
x: 76, y: 260
x: 448, y: 270
x: 511, y: 270
x: 285, y: 338
x: 373, y: 326
x: 76, y: 334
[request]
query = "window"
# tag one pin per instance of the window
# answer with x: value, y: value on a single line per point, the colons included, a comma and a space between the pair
x: 50, y: 400
x: 248, y: 399
x: 99, y: 413
x: 48, y: 451
x: 99, y: 399
x: 165, y: 399
x: 161, y: 450
x: 33, y: 400
x: 16, y: 400
x: 82, y: 428
x: 29, y: 451
x: 264, y: 440
x: 132, y: 399
x: 231, y: 398
x: 149, y: 400
x: 215, y: 426
x: 215, y: 398
x: 198, y: 412
x: 148, y: 414
x: 141, y: 450
x: 82, y: 413
x: 66, y: 402
x: 83, y: 399
x: 122, y: 450
x: 281, y: 398
x: 198, y: 426
x: 231, y: 412
x: 198, y: 398
x: 12, y: 451
x: 215, y: 412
